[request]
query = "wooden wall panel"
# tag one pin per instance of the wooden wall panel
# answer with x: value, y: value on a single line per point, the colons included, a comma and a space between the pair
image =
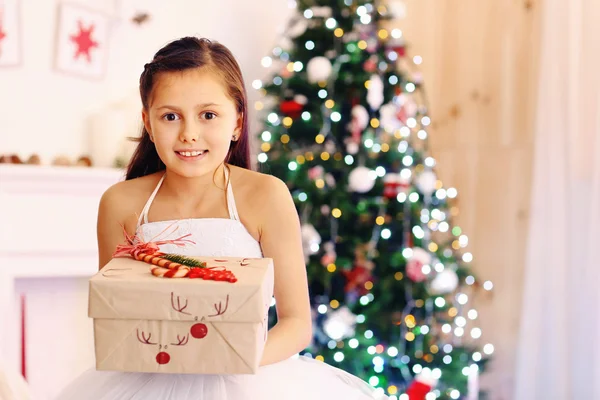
x: 480, y: 73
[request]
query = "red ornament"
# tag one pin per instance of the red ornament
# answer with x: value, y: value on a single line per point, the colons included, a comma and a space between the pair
x: 356, y: 279
x: 361, y: 273
x: 418, y: 390
x: 163, y: 358
x: 399, y: 49
x: 420, y: 386
x: 291, y: 108
x: 83, y: 40
x: 370, y: 65
x: 199, y: 331
x: 393, y: 184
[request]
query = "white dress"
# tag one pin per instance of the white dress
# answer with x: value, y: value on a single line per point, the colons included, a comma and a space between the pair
x: 298, y: 378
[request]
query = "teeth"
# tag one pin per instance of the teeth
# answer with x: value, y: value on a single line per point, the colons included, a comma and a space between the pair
x: 190, y: 153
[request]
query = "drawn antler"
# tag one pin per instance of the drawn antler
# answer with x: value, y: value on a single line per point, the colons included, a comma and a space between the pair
x: 219, y: 308
x: 144, y: 339
x: 179, y: 307
x: 181, y: 341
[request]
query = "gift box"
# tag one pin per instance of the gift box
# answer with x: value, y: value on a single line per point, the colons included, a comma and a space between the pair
x: 145, y: 323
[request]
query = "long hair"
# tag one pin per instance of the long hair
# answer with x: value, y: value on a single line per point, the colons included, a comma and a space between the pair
x: 180, y: 55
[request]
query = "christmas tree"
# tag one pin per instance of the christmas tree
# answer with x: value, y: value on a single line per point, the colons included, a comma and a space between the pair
x: 345, y: 124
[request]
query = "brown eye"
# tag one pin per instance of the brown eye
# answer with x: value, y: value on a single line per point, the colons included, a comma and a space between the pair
x: 209, y: 115
x: 170, y: 117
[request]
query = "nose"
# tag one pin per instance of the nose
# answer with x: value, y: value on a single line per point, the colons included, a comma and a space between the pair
x: 189, y: 133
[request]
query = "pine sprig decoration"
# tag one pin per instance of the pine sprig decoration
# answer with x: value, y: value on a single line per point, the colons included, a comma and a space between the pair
x: 183, y: 260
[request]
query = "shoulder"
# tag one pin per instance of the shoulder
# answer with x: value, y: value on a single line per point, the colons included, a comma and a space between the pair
x: 261, y: 191
x: 126, y: 199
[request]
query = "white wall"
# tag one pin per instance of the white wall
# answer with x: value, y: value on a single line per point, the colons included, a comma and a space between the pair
x: 45, y: 112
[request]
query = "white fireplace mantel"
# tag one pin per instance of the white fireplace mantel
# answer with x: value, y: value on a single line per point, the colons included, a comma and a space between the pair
x: 47, y: 230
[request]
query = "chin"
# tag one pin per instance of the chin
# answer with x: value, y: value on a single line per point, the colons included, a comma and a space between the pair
x: 193, y: 170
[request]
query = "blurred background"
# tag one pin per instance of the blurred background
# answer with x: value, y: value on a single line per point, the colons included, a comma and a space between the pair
x: 513, y: 96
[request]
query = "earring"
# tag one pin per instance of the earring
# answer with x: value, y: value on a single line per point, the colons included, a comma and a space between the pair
x: 235, y: 138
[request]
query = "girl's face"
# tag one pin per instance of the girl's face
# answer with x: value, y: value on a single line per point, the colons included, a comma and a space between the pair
x: 191, y: 121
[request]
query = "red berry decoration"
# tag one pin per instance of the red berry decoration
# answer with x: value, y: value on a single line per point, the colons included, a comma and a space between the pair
x: 199, y: 331
x: 163, y: 358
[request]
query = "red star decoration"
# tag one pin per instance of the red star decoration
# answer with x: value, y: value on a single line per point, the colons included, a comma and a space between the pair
x: 83, y: 40
x: 2, y: 33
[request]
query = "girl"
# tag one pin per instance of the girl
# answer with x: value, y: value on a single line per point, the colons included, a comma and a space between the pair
x: 192, y: 165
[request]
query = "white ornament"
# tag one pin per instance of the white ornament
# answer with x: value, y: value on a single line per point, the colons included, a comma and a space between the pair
x: 388, y: 116
x: 375, y: 92
x: 397, y: 9
x: 352, y: 147
x: 361, y: 116
x: 300, y: 99
x: 426, y: 182
x: 444, y: 282
x: 318, y: 69
x: 427, y: 377
x: 422, y: 256
x: 310, y: 240
x: 330, y: 180
x: 322, y: 12
x: 361, y: 180
x: 340, y: 324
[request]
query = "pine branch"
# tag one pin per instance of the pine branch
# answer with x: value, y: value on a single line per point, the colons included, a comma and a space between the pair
x: 183, y: 260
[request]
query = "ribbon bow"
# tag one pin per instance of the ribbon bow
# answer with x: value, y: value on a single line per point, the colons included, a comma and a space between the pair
x: 136, y: 244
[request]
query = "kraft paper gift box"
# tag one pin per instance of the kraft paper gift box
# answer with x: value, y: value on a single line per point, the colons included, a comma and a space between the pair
x: 144, y: 323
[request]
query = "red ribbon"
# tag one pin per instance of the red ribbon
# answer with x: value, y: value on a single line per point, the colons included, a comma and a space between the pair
x: 136, y: 244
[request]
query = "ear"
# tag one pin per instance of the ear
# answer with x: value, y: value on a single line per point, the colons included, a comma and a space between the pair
x: 239, y: 126
x: 146, y: 120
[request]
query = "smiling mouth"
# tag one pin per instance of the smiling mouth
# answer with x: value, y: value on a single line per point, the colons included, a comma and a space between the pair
x: 194, y: 153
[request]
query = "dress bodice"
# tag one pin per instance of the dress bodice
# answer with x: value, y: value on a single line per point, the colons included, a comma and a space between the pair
x: 225, y: 237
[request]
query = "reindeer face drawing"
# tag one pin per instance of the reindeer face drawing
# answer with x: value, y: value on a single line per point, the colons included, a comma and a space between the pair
x: 198, y: 330
x: 162, y: 357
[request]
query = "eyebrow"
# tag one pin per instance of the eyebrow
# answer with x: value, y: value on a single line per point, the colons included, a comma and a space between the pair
x: 203, y: 105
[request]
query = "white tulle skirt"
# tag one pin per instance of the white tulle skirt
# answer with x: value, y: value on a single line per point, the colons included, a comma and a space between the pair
x: 298, y: 378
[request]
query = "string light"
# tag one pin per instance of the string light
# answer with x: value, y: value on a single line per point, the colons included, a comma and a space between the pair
x: 266, y: 136
x: 330, y: 23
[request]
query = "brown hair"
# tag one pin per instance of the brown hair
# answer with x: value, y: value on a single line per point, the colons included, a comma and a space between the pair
x: 183, y: 54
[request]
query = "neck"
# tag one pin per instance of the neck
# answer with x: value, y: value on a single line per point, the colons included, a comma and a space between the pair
x: 194, y: 188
